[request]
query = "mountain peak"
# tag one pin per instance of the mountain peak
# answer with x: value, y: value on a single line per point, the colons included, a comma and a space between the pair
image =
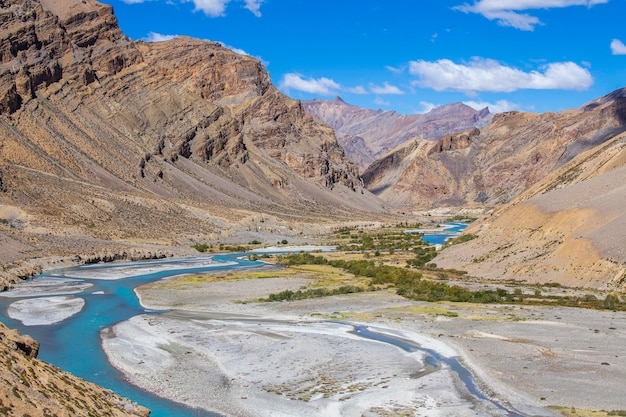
x: 368, y: 134
x: 616, y: 95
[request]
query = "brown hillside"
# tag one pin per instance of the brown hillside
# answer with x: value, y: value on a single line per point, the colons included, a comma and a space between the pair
x: 569, y: 228
x: 31, y: 387
x: 495, y: 164
x: 176, y: 142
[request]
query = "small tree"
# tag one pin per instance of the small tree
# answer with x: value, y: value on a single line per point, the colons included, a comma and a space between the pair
x: 611, y: 301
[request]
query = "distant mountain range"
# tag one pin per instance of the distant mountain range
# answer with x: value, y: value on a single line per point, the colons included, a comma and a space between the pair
x: 367, y: 135
x: 495, y: 164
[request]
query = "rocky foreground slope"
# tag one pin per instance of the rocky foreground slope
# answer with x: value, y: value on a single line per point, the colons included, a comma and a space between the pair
x: 367, y: 134
x: 494, y: 164
x: 31, y: 387
x: 104, y: 139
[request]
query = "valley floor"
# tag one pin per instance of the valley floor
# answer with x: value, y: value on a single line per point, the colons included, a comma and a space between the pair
x: 213, y: 351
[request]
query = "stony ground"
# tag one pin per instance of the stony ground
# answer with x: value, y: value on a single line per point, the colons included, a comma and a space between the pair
x: 535, y: 357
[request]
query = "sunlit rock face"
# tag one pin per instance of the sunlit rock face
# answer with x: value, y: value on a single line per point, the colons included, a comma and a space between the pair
x: 107, y: 137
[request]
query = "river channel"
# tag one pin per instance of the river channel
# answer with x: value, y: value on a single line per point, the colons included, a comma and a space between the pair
x: 74, y: 343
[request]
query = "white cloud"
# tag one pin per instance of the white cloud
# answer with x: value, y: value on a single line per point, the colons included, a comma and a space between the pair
x: 254, y: 6
x: 235, y: 50
x: 618, y: 47
x: 394, y: 69
x: 158, y: 37
x: 379, y: 101
x: 385, y: 89
x: 505, y: 12
x: 322, y: 86
x: 217, y: 8
x: 359, y: 89
x: 497, y: 107
x: 426, y: 106
x: 489, y: 75
x: 212, y: 8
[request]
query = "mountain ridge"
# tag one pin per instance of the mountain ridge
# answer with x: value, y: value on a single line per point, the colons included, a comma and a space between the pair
x: 494, y: 164
x: 109, y: 139
x: 568, y: 228
x: 367, y: 134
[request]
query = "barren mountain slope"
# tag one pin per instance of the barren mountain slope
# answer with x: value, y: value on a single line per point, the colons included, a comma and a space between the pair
x: 366, y: 134
x: 32, y: 387
x: 172, y: 142
x: 569, y: 228
x: 496, y: 163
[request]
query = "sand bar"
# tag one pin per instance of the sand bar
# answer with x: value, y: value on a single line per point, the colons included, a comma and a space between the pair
x: 45, y: 310
x: 287, y: 359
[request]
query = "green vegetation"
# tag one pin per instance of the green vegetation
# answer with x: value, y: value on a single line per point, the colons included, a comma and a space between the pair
x: 573, y: 412
x: 201, y: 247
x: 4, y: 221
x: 461, y: 239
x: 423, y: 255
x: 385, y: 239
x: 289, y: 295
x: 462, y: 218
x: 411, y: 284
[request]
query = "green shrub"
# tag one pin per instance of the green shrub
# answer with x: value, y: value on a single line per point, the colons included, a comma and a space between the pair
x: 201, y: 247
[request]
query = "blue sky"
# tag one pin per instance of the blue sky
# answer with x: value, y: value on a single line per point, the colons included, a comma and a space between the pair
x: 411, y: 55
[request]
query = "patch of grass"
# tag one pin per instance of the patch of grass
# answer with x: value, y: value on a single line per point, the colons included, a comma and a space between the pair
x: 289, y: 295
x: 577, y: 412
x: 430, y: 309
x: 461, y: 239
x: 201, y: 247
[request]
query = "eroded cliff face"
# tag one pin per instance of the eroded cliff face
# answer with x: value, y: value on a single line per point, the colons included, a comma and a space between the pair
x: 494, y: 164
x: 32, y: 387
x: 177, y: 141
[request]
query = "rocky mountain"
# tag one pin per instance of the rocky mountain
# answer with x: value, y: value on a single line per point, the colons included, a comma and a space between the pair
x: 367, y: 135
x: 494, y: 164
x: 31, y: 387
x: 568, y: 228
x: 184, y: 141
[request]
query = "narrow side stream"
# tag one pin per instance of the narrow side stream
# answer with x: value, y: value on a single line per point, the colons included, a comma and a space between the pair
x: 435, y: 360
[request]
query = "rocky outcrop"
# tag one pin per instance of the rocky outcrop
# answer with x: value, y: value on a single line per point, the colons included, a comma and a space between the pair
x: 32, y: 387
x: 22, y: 344
x: 455, y: 142
x: 367, y: 135
x: 497, y: 163
x: 43, y: 43
x: 3, y: 188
